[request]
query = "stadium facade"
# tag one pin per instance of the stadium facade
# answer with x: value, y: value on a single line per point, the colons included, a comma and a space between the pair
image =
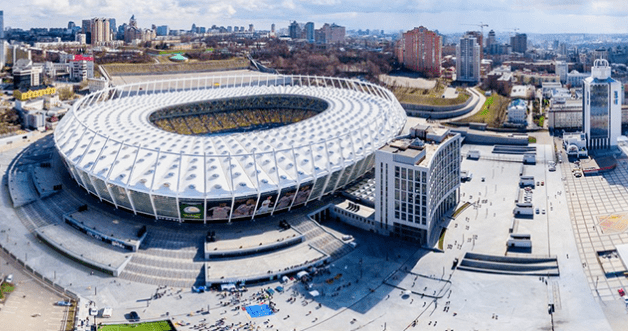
x: 226, y: 147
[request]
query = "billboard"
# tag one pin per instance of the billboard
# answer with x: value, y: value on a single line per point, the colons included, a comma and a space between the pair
x: 244, y: 207
x: 218, y: 209
x: 286, y: 197
x: 304, y: 192
x: 192, y: 209
x: 266, y: 203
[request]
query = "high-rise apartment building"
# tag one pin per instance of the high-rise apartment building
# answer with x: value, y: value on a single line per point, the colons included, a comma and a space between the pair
x: 309, y: 32
x: 294, y: 30
x: 601, y: 105
x: 86, y: 28
x: 468, y: 60
x: 101, y: 31
x: 330, y: 34
x: 519, y: 43
x: 417, y: 183
x: 420, y: 50
x: 491, y: 40
x: 480, y: 40
x: 1, y: 24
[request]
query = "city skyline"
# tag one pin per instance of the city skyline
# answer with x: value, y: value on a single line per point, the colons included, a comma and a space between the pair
x: 448, y: 16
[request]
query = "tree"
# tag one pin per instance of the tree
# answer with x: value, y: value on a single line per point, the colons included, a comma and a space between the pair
x: 65, y: 93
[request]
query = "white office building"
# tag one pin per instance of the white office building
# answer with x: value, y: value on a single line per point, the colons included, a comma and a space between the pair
x: 417, y: 183
x: 517, y: 112
x: 468, y: 60
x: 562, y: 70
x: 601, y: 105
x: 576, y: 79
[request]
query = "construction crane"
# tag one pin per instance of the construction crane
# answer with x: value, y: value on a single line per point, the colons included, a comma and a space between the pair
x: 481, y: 25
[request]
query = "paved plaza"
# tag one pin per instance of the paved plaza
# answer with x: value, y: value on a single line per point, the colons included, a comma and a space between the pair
x: 385, y: 284
x: 597, y: 205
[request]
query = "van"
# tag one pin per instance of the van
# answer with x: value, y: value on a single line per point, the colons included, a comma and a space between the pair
x: 106, y: 312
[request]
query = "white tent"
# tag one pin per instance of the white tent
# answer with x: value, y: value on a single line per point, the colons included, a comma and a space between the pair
x: 302, y: 274
x: 227, y: 287
x: 314, y: 293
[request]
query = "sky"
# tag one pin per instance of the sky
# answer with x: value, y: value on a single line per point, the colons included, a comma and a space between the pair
x: 447, y: 16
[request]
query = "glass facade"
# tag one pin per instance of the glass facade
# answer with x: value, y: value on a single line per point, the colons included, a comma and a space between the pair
x: 599, y: 111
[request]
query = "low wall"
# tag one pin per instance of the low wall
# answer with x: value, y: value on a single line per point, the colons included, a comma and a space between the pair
x: 488, y: 139
x: 509, y: 259
x: 440, y: 112
x: 253, y: 250
x: 92, y: 264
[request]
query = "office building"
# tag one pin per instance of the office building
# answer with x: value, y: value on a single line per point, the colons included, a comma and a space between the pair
x: 417, y: 183
x: 81, y: 67
x: 565, y: 115
x: 468, y: 60
x: 519, y: 43
x: 576, y: 79
x: 601, y: 104
x: 162, y: 30
x: 562, y: 69
x: 518, y: 112
x: 27, y: 75
x: 294, y: 30
x: 420, y: 50
x: 309, y: 32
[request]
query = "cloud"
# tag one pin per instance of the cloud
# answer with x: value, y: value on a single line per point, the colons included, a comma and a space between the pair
x: 444, y: 15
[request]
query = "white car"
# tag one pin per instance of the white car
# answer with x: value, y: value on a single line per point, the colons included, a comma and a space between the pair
x: 9, y: 278
x: 542, y: 211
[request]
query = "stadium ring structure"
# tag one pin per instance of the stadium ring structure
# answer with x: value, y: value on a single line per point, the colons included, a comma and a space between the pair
x: 226, y: 147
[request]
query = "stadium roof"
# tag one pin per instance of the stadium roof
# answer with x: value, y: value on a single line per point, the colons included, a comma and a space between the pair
x: 113, y: 140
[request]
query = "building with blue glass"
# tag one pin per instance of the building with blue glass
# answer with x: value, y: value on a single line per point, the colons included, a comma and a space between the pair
x: 601, y: 104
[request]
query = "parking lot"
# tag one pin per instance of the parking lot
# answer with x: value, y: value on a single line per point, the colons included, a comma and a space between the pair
x: 31, y: 306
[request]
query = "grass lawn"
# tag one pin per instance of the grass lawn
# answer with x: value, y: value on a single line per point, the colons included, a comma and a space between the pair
x: 493, y: 111
x: 6, y: 288
x: 147, y: 326
x: 431, y: 97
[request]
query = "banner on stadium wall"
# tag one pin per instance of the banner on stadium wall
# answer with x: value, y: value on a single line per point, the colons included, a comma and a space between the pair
x: 244, y: 207
x: 304, y: 192
x: 218, y: 209
x: 193, y: 210
x: 266, y: 203
x: 285, y: 198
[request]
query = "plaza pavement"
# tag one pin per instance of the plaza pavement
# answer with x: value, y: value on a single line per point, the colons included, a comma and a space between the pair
x: 368, y: 294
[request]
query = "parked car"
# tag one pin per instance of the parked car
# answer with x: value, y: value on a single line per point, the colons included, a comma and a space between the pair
x: 199, y: 289
x: 537, y: 210
x: 543, y: 211
x: 134, y: 317
x: 621, y: 292
x: 9, y: 278
x: 63, y: 303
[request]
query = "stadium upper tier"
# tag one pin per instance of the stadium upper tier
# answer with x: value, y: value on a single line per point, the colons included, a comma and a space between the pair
x: 164, y: 148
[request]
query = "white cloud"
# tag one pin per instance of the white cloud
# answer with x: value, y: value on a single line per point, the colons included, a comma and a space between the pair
x: 444, y: 15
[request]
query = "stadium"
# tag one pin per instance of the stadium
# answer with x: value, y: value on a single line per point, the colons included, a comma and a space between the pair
x: 227, y: 147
